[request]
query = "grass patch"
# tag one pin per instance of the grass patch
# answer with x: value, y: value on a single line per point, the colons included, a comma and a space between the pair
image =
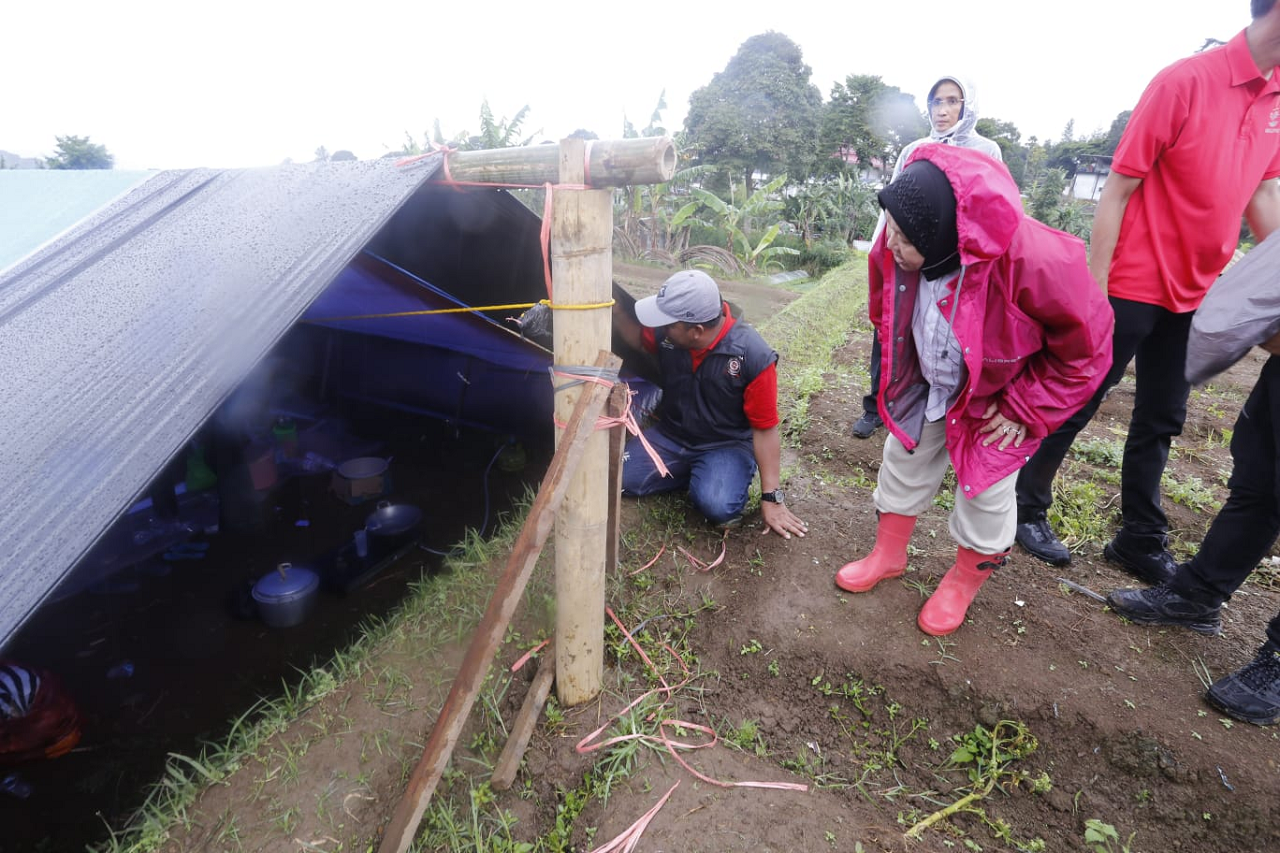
x: 806, y: 333
x: 1081, y: 512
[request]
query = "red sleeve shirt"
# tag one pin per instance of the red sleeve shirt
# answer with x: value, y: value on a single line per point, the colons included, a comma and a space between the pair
x: 1204, y: 135
x: 760, y: 401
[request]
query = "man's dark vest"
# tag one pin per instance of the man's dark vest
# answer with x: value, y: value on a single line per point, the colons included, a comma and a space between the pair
x: 705, y: 408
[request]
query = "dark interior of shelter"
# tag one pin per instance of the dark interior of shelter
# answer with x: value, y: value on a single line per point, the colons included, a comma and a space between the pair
x: 357, y: 453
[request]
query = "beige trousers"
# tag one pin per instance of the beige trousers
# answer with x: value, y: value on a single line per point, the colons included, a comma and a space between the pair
x: 908, y: 482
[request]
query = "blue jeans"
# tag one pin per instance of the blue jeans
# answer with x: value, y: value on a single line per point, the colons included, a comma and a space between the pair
x: 717, y: 477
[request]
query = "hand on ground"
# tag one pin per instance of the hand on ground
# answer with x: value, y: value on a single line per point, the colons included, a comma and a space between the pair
x: 781, y: 520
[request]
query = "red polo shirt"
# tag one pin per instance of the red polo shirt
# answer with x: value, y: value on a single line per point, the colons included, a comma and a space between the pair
x: 759, y: 400
x: 1204, y: 134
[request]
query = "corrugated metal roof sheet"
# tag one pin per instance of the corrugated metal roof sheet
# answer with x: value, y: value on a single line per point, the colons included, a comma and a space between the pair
x: 156, y: 306
x: 38, y: 205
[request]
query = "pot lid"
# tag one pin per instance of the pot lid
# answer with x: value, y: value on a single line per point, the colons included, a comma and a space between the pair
x: 364, y: 466
x: 286, y: 582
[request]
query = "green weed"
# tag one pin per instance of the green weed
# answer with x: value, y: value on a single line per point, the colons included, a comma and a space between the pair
x: 986, y: 757
x: 1102, y: 837
x: 1107, y: 453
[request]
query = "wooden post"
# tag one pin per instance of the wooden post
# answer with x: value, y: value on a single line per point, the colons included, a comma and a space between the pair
x: 508, y: 763
x: 581, y: 272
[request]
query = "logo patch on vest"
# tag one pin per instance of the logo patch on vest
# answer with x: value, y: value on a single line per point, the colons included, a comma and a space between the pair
x: 735, y: 367
x: 1275, y: 120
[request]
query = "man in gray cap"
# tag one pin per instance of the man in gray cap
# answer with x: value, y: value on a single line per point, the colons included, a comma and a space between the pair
x: 718, y: 419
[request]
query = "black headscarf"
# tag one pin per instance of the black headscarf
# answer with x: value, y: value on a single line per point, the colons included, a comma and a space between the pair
x: 921, y: 202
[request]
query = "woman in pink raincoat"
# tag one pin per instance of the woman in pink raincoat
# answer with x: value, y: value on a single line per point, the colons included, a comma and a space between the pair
x: 993, y: 333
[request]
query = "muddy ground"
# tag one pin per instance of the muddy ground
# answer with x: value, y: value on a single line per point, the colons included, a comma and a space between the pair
x: 838, y: 692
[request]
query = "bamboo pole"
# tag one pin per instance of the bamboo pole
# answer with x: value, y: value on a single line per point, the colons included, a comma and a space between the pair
x: 497, y: 616
x: 581, y: 269
x: 612, y: 163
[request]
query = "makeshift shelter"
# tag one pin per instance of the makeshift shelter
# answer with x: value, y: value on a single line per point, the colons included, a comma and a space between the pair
x: 125, y: 333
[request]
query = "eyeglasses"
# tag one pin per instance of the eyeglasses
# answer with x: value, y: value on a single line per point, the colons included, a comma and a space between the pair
x: 946, y: 102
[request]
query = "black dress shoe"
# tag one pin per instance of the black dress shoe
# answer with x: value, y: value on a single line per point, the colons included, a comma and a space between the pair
x: 1160, y: 605
x: 1154, y: 566
x: 1251, y: 693
x: 1038, y: 539
x: 866, y: 425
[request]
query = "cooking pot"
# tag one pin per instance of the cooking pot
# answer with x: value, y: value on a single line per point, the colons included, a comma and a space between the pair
x: 393, y: 519
x: 285, y: 596
x: 363, y: 466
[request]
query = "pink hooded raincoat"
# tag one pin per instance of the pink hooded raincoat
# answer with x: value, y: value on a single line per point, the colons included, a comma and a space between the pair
x: 1033, y: 325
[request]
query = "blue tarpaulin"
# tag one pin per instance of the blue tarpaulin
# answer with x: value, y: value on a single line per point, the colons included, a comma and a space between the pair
x: 464, y: 367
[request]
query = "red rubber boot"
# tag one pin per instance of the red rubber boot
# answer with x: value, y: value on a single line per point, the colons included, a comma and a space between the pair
x: 945, y: 610
x: 888, y: 559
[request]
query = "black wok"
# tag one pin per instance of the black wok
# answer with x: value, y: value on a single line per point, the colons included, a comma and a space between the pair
x: 393, y: 519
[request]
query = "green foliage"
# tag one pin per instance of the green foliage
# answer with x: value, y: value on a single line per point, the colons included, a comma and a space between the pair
x: 1107, y: 453
x: 1054, y: 206
x: 1102, y: 837
x: 1078, y: 513
x: 1191, y: 492
x: 985, y: 753
x: 823, y: 256
x: 1009, y: 138
x: 807, y: 333
x: 746, y: 737
x: 760, y: 115
x: 77, y: 152
x: 1046, y: 192
x: 494, y: 133
x: 987, y: 757
x: 869, y: 120
x: 761, y: 205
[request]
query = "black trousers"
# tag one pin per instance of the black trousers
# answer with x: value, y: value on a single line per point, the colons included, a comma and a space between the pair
x: 1156, y: 340
x: 869, y: 404
x: 1246, y: 528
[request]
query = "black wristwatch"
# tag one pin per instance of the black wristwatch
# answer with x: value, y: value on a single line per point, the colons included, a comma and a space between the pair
x: 774, y: 497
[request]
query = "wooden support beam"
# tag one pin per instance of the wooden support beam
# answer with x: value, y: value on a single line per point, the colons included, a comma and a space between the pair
x: 504, y: 772
x: 582, y: 269
x: 609, y: 163
x: 617, y: 443
x: 493, y: 625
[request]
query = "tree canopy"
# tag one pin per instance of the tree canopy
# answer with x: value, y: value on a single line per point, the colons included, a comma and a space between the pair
x: 761, y: 114
x: 868, y: 122
x: 77, y: 152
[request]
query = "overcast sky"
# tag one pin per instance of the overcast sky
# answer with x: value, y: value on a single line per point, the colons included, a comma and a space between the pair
x: 237, y: 83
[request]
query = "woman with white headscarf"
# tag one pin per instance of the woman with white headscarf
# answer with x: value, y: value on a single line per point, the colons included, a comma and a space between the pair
x: 953, y: 119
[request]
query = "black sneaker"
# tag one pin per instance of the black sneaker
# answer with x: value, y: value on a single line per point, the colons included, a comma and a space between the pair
x: 866, y: 425
x: 1154, y: 567
x: 1251, y: 693
x: 1038, y: 539
x: 1160, y: 605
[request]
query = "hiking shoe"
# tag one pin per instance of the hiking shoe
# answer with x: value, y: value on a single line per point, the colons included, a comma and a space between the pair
x: 1251, y: 693
x: 867, y: 424
x: 1160, y: 605
x: 1038, y: 539
x: 1153, y: 567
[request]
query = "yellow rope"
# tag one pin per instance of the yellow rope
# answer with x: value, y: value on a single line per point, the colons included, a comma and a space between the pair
x: 586, y: 306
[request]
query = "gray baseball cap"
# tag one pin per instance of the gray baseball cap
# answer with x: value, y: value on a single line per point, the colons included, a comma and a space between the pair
x: 689, y: 296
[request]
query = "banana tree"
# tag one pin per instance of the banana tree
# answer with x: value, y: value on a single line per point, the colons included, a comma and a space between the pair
x: 736, y: 219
